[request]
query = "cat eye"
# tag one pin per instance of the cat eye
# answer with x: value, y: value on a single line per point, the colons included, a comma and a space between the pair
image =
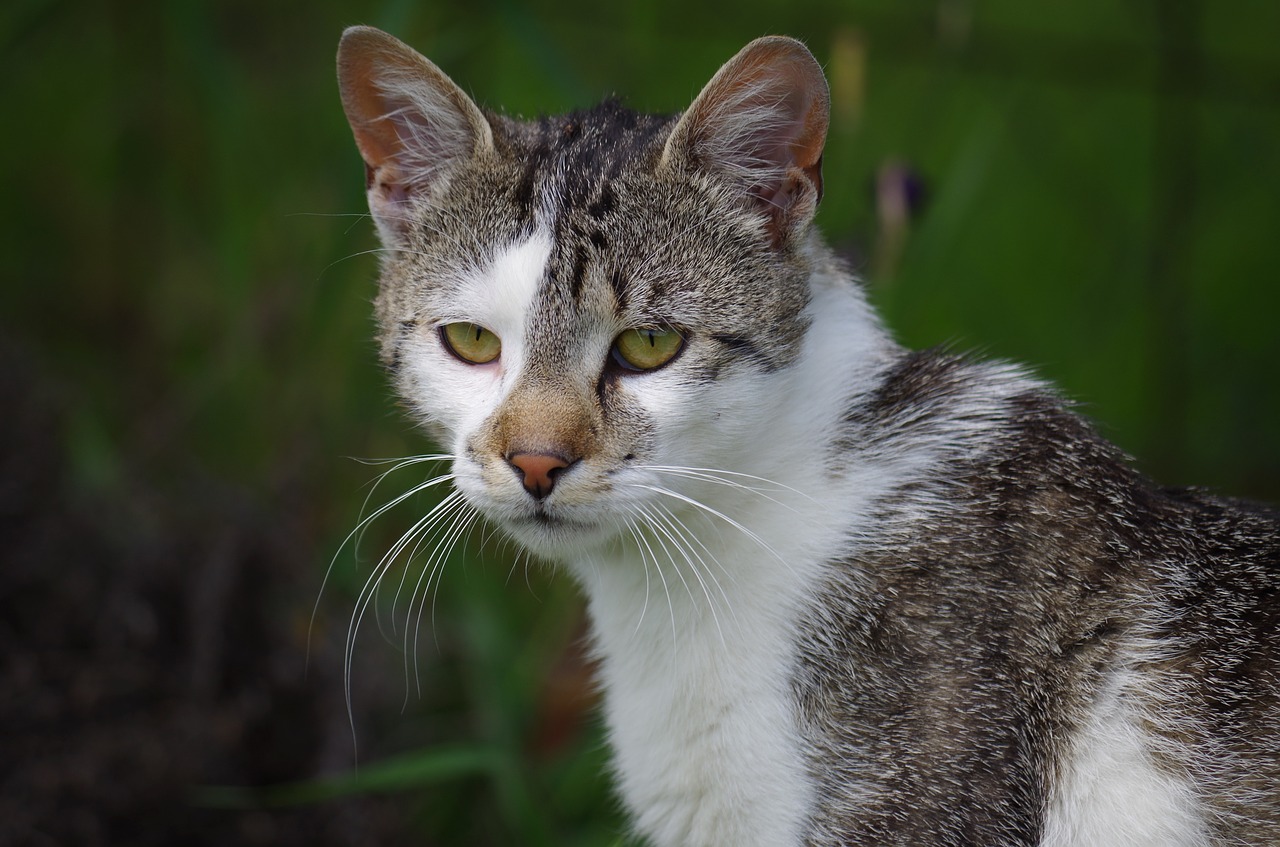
x: 646, y: 349
x: 470, y: 342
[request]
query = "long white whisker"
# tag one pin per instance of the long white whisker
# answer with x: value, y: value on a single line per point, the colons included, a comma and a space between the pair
x: 690, y: 541
x: 432, y: 571
x: 449, y: 507
x: 397, y: 464
x: 446, y: 506
x: 371, y: 251
x: 356, y: 533
x: 638, y: 533
x: 657, y: 535
x: 368, y: 590
x: 721, y: 515
x: 718, y: 477
x: 635, y: 534
x: 358, y: 216
x: 662, y: 530
x: 463, y: 520
x: 353, y: 627
x: 363, y: 526
x: 527, y: 557
x: 687, y: 532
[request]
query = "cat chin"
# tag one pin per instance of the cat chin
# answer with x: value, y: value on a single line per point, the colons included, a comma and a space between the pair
x: 556, y: 538
x: 553, y: 532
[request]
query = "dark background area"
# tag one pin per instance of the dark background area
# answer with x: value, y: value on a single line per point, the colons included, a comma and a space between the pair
x: 187, y: 371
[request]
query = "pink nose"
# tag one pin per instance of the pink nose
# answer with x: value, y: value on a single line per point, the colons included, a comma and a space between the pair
x: 538, y: 471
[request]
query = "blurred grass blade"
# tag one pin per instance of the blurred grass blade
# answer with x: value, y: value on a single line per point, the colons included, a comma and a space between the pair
x: 400, y: 773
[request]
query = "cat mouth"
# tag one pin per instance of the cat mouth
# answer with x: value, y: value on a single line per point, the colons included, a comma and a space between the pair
x: 541, y: 517
x: 551, y: 532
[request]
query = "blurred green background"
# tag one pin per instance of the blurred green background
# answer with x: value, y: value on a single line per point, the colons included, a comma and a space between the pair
x: 186, y: 366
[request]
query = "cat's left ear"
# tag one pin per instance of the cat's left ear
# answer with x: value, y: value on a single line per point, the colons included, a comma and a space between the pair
x: 762, y: 122
x: 413, y: 125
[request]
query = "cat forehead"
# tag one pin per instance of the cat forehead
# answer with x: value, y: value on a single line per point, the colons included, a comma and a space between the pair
x: 585, y: 187
x: 570, y: 173
x: 577, y: 154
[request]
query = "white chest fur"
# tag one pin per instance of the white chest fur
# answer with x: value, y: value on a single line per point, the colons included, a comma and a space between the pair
x: 697, y: 696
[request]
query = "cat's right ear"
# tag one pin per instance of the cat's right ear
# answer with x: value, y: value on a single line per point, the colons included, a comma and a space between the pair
x: 761, y: 122
x: 412, y: 124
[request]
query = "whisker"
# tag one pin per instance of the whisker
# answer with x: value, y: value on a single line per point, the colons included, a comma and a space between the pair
x: 688, y: 533
x: 357, y: 533
x: 357, y: 215
x: 367, y: 591
x: 353, y: 628
x: 638, y: 533
x: 718, y: 477
x: 528, y: 565
x: 418, y: 534
x: 377, y: 481
x: 649, y: 521
x: 690, y: 539
x: 370, y: 252
x: 402, y: 461
x: 721, y: 515
x: 433, y: 571
x: 662, y: 530
x: 520, y: 553
x: 464, y: 522
x: 398, y: 464
x: 451, y: 503
x: 635, y: 534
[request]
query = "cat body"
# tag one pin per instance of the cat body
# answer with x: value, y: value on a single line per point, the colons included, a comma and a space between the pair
x: 841, y: 592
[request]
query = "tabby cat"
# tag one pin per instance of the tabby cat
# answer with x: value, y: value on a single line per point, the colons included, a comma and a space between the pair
x: 841, y: 593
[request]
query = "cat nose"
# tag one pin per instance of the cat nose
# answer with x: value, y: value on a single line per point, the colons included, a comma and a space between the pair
x: 538, y: 471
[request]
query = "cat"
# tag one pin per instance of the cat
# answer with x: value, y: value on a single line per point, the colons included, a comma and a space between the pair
x: 841, y: 592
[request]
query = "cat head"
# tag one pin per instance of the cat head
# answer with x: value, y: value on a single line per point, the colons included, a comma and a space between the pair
x: 573, y: 304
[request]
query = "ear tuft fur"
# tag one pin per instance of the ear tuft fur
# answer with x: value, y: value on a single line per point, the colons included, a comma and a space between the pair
x: 412, y: 124
x: 762, y: 122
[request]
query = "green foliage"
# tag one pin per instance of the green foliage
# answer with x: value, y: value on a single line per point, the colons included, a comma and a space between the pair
x: 186, y: 256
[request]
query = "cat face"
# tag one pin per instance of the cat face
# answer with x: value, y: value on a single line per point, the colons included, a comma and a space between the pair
x: 578, y: 305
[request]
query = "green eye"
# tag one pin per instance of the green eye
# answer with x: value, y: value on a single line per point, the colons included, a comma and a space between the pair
x: 471, y: 342
x: 646, y: 349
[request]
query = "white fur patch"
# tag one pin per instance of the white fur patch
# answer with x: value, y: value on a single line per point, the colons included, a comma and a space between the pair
x: 500, y: 296
x: 698, y: 704
x: 1111, y: 790
x: 497, y: 296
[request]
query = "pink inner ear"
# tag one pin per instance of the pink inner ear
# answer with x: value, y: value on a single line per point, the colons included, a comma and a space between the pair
x: 358, y: 67
x: 762, y: 121
x: 393, y: 139
x: 780, y: 152
x: 411, y: 124
x: 383, y: 144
